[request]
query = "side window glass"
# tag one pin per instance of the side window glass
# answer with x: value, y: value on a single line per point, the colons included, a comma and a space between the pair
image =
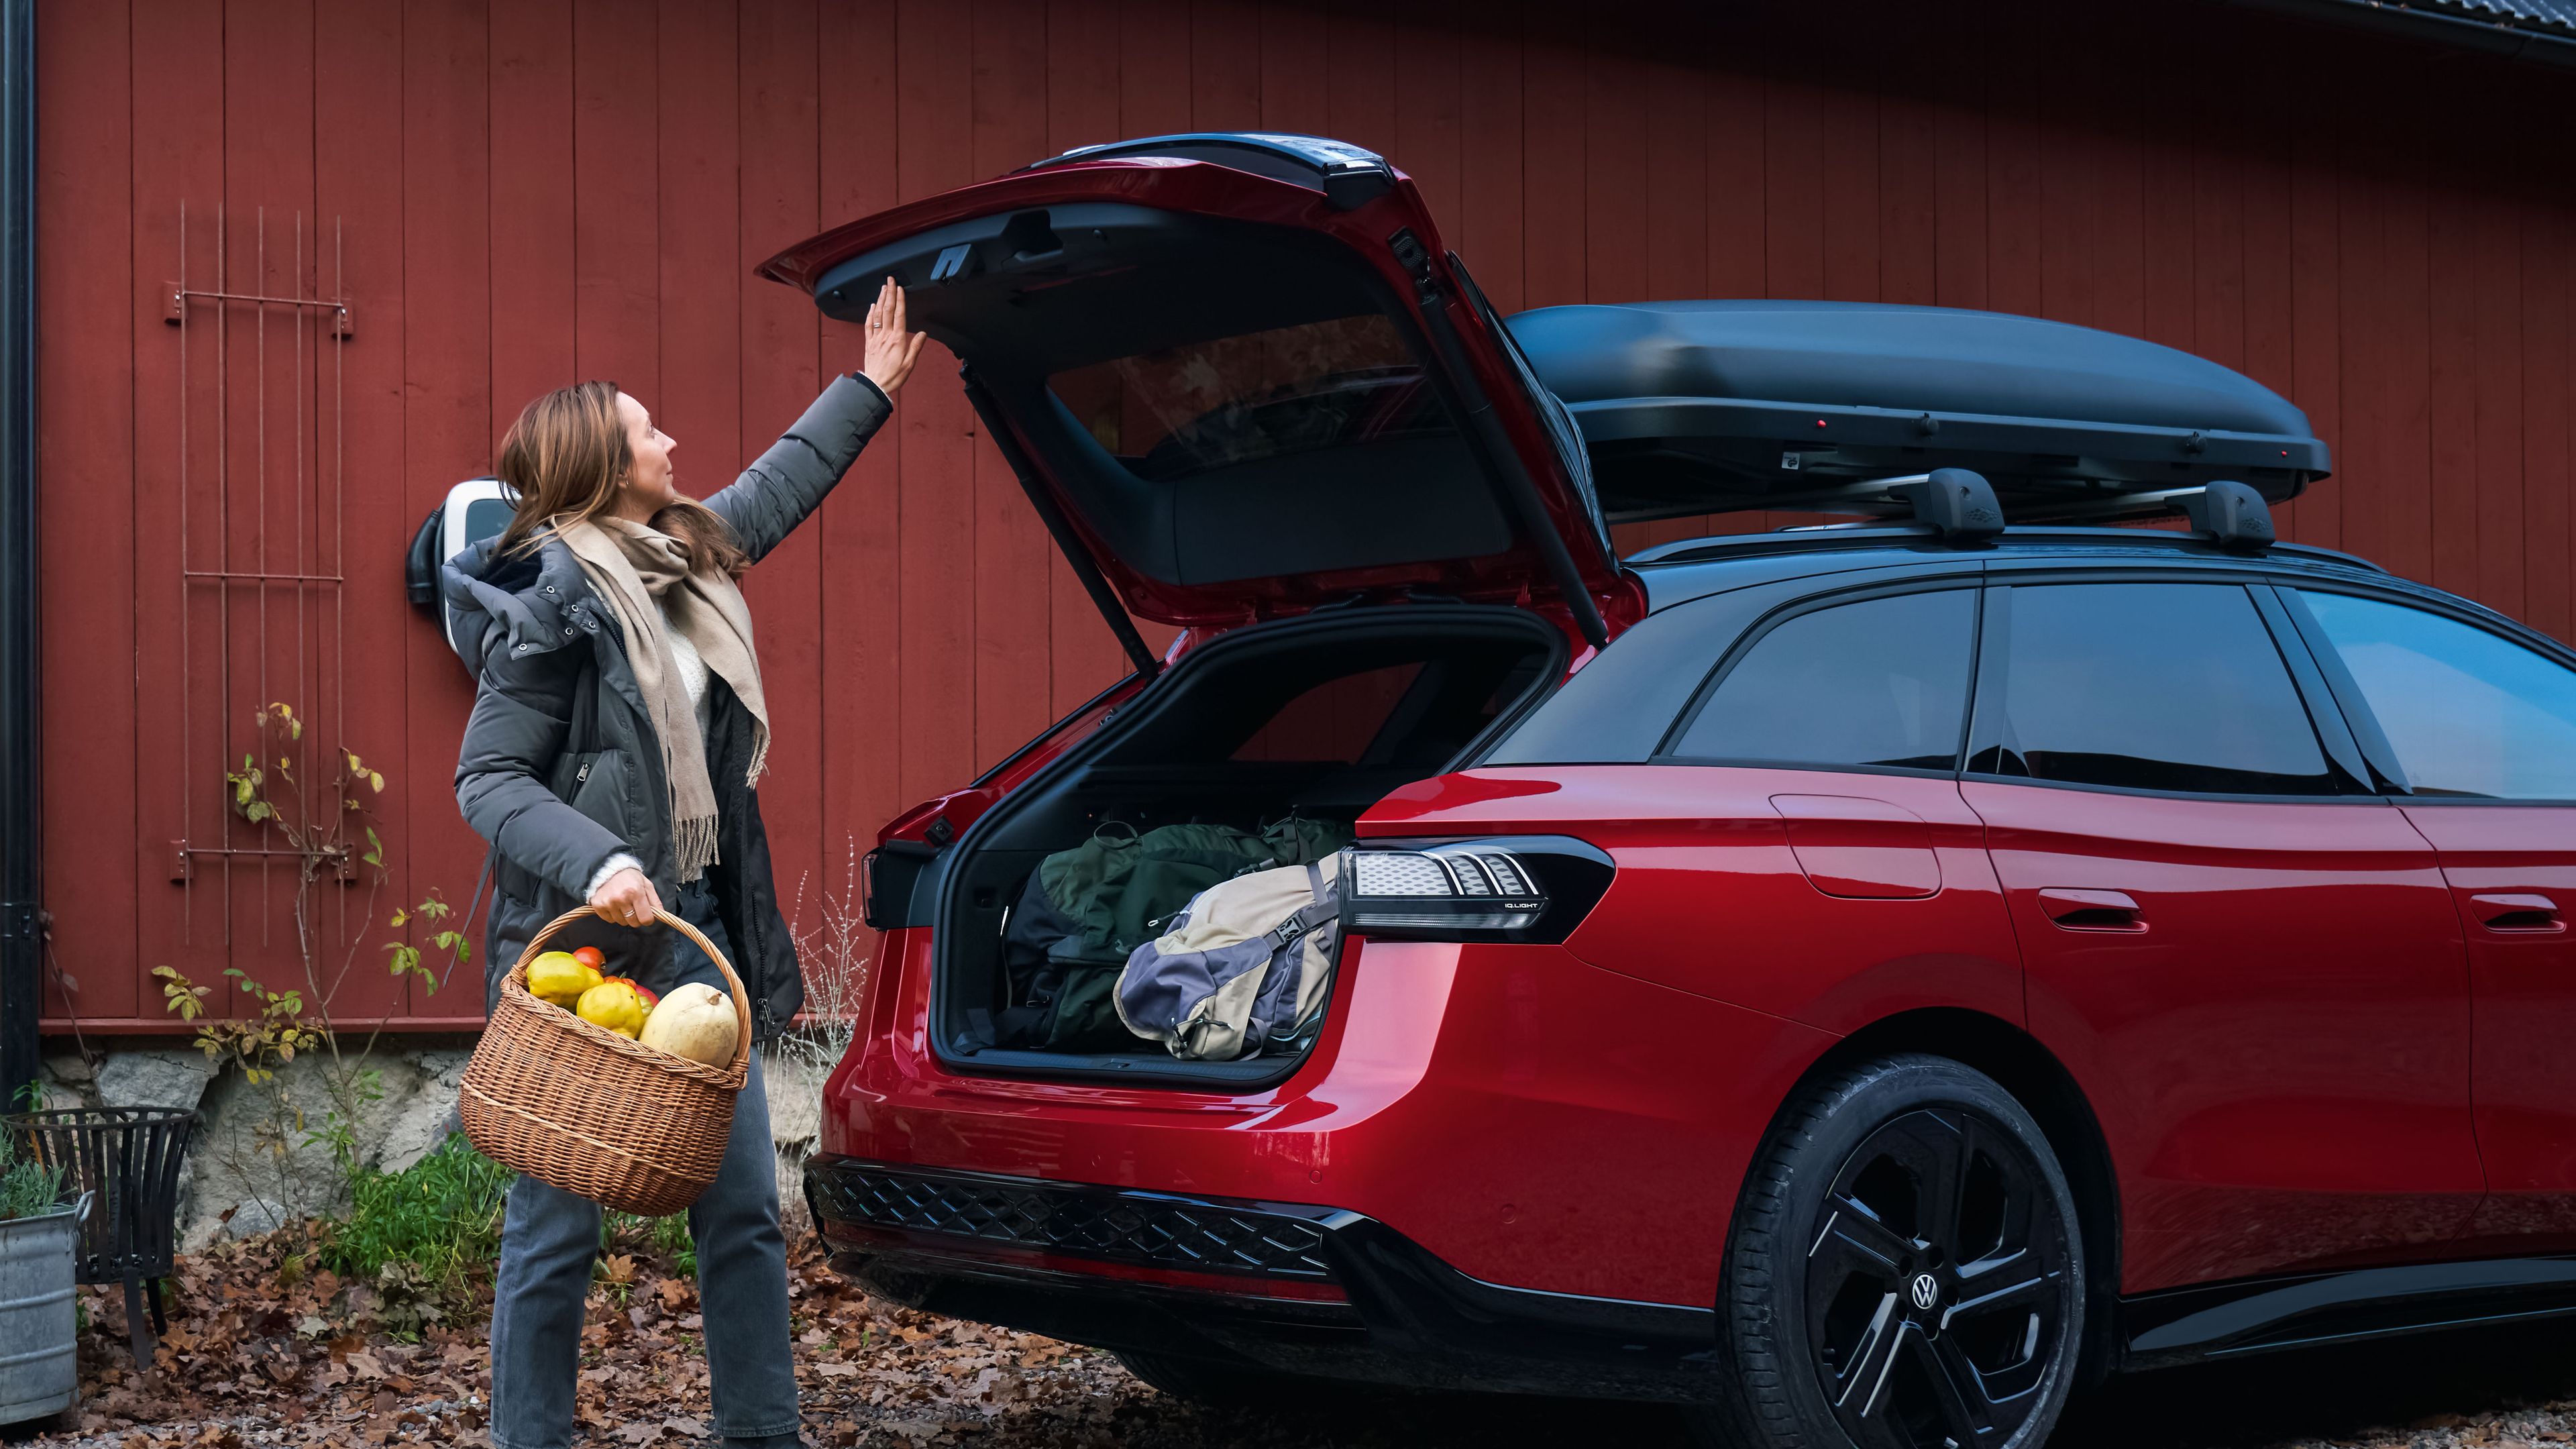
x: 2148, y: 687
x: 2469, y: 713
x: 1881, y: 682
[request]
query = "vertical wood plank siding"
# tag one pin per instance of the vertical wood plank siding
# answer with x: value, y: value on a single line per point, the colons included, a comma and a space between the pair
x: 538, y: 191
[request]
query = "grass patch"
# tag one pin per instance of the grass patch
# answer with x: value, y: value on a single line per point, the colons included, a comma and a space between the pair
x: 438, y: 1222
x: 441, y: 1216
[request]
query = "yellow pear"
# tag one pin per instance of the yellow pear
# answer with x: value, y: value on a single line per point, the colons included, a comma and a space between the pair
x: 560, y: 977
x: 616, y: 1005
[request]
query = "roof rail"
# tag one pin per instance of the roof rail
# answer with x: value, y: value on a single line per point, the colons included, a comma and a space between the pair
x: 1958, y: 506
x: 2227, y: 515
x: 1898, y: 535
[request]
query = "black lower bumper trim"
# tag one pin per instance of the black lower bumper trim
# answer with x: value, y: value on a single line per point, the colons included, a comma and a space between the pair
x: 1012, y: 1251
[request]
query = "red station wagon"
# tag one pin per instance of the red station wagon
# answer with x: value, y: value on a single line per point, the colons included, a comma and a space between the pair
x: 1861, y: 982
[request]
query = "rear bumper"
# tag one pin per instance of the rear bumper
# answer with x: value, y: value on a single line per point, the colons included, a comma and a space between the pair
x: 1292, y: 1287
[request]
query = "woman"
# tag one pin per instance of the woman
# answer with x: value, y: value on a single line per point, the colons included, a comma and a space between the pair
x: 618, y: 731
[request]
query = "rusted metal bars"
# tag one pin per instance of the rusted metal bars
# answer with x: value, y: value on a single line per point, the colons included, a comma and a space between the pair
x: 259, y: 573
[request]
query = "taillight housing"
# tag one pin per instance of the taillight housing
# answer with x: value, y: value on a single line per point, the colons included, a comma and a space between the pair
x: 1489, y: 888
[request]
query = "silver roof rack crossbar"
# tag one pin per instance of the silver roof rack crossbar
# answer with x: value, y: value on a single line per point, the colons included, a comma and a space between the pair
x: 1956, y: 503
x: 1956, y: 506
x: 2231, y: 515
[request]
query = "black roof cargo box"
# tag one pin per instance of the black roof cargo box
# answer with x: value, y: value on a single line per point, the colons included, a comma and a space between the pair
x: 1702, y: 407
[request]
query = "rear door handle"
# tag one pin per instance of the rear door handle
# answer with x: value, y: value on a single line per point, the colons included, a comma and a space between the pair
x: 2519, y: 912
x: 2084, y: 910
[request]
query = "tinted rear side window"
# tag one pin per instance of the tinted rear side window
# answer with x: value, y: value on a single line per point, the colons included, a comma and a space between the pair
x: 2146, y: 687
x: 2467, y: 712
x: 1881, y: 682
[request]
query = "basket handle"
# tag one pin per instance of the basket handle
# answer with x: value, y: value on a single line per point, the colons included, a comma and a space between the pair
x: 741, y: 995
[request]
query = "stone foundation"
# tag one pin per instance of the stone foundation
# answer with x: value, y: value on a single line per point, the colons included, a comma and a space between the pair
x: 253, y: 1165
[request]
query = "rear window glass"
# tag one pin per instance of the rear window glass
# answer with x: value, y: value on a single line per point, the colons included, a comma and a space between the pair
x: 1270, y: 394
x: 2468, y: 713
x: 1882, y: 682
x: 1336, y: 720
x: 2150, y: 687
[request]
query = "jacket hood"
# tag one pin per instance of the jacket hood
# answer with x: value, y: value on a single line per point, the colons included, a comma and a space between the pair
x: 526, y: 603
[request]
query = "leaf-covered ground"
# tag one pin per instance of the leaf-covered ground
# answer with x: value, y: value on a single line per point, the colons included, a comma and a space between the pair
x: 261, y: 1354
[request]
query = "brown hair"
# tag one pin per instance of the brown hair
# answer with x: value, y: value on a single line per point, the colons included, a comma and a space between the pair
x: 563, y: 459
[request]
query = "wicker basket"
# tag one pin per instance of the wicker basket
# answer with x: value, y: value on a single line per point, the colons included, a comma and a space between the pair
x: 581, y: 1108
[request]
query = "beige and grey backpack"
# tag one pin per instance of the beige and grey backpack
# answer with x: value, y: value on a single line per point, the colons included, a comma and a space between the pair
x: 1243, y: 969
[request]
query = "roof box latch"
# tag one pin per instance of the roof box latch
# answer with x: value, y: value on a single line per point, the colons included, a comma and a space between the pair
x: 1958, y: 504
x: 2233, y: 515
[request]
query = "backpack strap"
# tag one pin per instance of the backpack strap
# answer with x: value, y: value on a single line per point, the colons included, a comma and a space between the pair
x: 1314, y: 913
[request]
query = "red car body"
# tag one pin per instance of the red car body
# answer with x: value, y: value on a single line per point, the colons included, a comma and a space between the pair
x: 2303, y: 1058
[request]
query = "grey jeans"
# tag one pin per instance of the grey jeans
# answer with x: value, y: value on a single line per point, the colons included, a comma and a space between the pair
x: 549, y: 1239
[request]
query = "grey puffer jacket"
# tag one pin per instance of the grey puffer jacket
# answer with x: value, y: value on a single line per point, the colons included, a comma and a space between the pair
x: 561, y: 769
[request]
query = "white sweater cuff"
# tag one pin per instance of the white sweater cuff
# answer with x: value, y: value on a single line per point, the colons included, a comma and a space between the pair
x: 611, y: 866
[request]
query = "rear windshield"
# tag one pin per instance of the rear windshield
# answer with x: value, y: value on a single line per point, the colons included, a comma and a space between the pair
x: 1257, y: 395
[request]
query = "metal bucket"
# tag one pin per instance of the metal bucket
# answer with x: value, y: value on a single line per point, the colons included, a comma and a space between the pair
x: 38, y: 1323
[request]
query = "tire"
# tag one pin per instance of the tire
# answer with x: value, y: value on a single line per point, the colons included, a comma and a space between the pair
x: 1215, y: 1385
x: 1827, y: 1340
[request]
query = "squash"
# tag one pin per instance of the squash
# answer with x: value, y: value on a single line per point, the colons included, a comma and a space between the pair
x: 695, y: 1021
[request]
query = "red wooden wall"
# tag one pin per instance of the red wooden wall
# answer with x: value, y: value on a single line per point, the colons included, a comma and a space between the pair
x: 535, y: 191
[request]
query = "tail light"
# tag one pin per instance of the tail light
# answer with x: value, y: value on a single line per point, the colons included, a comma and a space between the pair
x: 1500, y: 888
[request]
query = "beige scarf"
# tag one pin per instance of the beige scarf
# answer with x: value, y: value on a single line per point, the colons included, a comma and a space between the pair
x: 647, y: 576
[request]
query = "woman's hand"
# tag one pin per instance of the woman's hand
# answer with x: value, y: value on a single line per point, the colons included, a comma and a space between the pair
x: 626, y: 899
x: 891, y: 349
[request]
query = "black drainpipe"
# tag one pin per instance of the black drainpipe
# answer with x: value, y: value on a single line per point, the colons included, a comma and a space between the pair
x: 22, y: 941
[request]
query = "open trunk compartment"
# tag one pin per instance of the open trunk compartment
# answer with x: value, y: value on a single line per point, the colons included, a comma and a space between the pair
x: 1314, y: 718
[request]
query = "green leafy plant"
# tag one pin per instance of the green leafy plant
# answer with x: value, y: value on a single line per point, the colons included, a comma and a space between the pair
x: 318, y: 823
x: 258, y: 1045
x: 438, y: 1221
x: 28, y: 1188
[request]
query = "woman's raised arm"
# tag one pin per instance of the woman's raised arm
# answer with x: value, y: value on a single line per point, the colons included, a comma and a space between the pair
x: 784, y: 486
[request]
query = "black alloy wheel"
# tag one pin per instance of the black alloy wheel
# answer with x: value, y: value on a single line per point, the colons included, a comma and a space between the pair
x: 1935, y: 1285
x: 1905, y: 1271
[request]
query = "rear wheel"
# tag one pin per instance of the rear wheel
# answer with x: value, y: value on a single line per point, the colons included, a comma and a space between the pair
x: 1905, y: 1271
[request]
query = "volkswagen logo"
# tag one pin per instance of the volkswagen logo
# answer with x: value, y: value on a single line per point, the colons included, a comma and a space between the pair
x: 1926, y: 1292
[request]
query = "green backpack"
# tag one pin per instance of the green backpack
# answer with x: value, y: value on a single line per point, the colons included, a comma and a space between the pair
x: 1119, y: 889
x: 1110, y: 895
